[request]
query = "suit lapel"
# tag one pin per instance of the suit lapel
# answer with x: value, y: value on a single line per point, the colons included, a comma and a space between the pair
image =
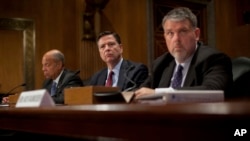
x: 103, y: 77
x: 190, y: 77
x: 47, y: 84
x: 167, y: 75
x: 191, y: 74
x: 61, y: 81
x: 121, y: 79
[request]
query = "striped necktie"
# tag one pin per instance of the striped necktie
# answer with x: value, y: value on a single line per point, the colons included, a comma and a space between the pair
x: 177, y: 77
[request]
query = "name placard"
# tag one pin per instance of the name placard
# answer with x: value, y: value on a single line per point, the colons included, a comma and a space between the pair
x: 35, y: 98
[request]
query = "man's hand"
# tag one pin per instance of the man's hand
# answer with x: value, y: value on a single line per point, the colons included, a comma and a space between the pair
x: 144, y: 91
x: 5, y: 100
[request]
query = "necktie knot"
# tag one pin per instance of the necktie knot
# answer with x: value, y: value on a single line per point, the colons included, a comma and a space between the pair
x: 177, y: 77
x: 109, y: 81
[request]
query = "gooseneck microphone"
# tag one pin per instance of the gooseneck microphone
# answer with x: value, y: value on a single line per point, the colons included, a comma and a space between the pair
x: 131, y: 81
x: 117, y: 96
x: 8, y: 93
x: 77, y: 72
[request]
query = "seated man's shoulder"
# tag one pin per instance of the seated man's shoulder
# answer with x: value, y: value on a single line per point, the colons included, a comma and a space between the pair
x: 136, y: 64
x: 206, y: 52
x: 72, y: 76
x: 129, y: 62
x: 71, y: 72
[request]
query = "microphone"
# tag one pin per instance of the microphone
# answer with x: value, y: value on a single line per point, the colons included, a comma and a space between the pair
x: 117, y: 96
x: 77, y: 72
x: 128, y: 96
x: 131, y: 81
x: 23, y: 84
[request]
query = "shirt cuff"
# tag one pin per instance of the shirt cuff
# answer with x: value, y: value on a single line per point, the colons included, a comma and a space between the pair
x: 163, y: 90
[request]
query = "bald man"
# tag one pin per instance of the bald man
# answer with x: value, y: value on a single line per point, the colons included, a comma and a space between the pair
x: 55, y: 73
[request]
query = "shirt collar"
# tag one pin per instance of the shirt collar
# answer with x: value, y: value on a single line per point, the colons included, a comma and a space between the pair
x: 188, y: 60
x: 58, y: 77
x: 117, y: 67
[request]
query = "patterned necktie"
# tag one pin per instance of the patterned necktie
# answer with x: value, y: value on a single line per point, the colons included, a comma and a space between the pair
x: 177, y: 77
x: 110, y: 79
x: 53, y: 89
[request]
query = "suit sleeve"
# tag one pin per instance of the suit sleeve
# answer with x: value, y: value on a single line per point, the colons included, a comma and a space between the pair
x: 213, y: 74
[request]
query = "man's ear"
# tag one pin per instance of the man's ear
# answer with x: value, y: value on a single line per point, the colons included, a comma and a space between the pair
x: 59, y: 63
x: 121, y: 46
x: 197, y: 34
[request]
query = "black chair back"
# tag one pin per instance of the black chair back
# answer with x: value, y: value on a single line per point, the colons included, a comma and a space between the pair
x: 241, y: 77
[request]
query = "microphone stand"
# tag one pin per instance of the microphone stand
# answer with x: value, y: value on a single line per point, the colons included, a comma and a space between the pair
x: 8, y: 93
x: 130, y: 88
x: 131, y: 81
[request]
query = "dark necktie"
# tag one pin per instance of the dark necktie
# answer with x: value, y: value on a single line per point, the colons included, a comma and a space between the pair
x: 53, y: 89
x: 177, y: 78
x: 110, y: 79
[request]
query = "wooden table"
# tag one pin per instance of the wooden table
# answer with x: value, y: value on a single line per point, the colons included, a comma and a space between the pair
x: 196, y: 121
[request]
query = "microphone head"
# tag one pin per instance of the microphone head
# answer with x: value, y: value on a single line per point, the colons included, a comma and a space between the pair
x: 24, y: 84
x: 77, y: 72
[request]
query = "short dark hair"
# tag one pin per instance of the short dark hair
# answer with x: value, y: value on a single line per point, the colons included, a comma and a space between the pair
x: 104, y: 33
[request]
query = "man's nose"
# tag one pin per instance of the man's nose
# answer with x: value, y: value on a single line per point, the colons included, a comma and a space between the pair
x: 176, y: 36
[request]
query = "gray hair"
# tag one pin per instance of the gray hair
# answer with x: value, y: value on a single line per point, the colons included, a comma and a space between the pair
x: 179, y: 14
x: 59, y: 56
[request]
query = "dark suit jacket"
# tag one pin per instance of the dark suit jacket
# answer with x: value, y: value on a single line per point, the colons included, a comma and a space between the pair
x: 135, y: 72
x: 209, y: 70
x: 67, y: 79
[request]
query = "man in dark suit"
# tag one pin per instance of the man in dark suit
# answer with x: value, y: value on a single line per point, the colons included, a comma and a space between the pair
x: 126, y: 75
x: 203, y: 68
x: 54, y: 71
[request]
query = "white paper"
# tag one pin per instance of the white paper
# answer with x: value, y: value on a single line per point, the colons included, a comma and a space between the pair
x: 187, y: 96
